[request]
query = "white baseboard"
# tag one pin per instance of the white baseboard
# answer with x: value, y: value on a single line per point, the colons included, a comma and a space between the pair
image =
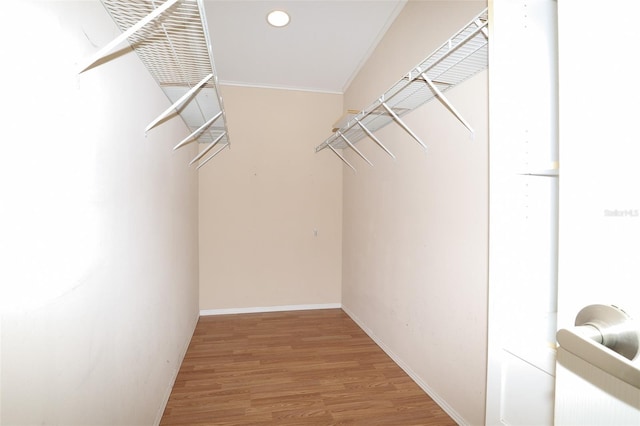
x: 172, y: 381
x: 259, y: 309
x: 416, y: 378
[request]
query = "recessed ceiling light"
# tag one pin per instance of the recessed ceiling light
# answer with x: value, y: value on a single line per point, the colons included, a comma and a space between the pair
x: 278, y: 18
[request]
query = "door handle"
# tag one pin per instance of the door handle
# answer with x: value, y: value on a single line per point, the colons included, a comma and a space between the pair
x: 606, y: 337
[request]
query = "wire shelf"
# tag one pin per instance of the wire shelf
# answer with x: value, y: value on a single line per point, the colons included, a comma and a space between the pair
x: 176, y: 50
x: 459, y: 58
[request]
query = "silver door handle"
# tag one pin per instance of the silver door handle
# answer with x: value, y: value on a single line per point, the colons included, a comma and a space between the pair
x: 606, y: 337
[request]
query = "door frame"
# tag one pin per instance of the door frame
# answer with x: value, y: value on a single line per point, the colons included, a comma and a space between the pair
x: 523, y: 149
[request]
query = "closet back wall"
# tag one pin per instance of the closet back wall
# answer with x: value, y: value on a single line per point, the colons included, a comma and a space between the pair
x: 270, y: 208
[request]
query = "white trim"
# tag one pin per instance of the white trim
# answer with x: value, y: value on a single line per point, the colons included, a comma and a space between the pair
x: 275, y: 87
x: 394, y: 14
x: 415, y: 377
x: 258, y: 309
x: 174, y: 376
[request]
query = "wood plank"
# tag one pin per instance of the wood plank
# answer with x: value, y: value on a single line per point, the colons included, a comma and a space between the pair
x: 293, y: 368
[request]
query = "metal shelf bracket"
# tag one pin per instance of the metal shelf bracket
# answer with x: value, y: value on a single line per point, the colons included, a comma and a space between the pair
x: 373, y: 137
x: 193, y: 136
x: 206, y: 160
x: 446, y: 102
x: 177, y: 104
x: 207, y: 149
x: 344, y: 160
x: 402, y: 124
x: 355, y: 149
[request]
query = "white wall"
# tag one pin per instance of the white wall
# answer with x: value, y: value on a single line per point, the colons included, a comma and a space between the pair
x: 99, y: 276
x: 415, y: 229
x: 270, y: 207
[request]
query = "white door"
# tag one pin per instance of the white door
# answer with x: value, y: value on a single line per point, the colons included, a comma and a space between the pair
x: 599, y: 200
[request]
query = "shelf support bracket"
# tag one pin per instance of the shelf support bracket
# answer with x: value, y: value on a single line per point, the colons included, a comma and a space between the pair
x: 177, y: 104
x: 352, y: 146
x: 207, y: 149
x: 402, y: 124
x: 344, y: 160
x: 373, y: 137
x: 446, y: 102
x: 100, y: 54
x: 197, y: 132
x: 483, y: 27
x: 206, y: 160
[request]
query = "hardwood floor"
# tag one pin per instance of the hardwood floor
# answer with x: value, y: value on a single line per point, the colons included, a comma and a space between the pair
x: 293, y: 368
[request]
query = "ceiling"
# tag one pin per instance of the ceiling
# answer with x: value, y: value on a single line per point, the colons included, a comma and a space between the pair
x: 322, y: 48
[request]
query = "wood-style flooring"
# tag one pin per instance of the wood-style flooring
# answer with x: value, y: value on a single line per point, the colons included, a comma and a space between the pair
x: 303, y: 368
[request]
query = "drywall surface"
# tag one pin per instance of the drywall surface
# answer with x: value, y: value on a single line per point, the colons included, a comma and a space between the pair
x: 99, y: 227
x: 270, y: 207
x: 416, y: 228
